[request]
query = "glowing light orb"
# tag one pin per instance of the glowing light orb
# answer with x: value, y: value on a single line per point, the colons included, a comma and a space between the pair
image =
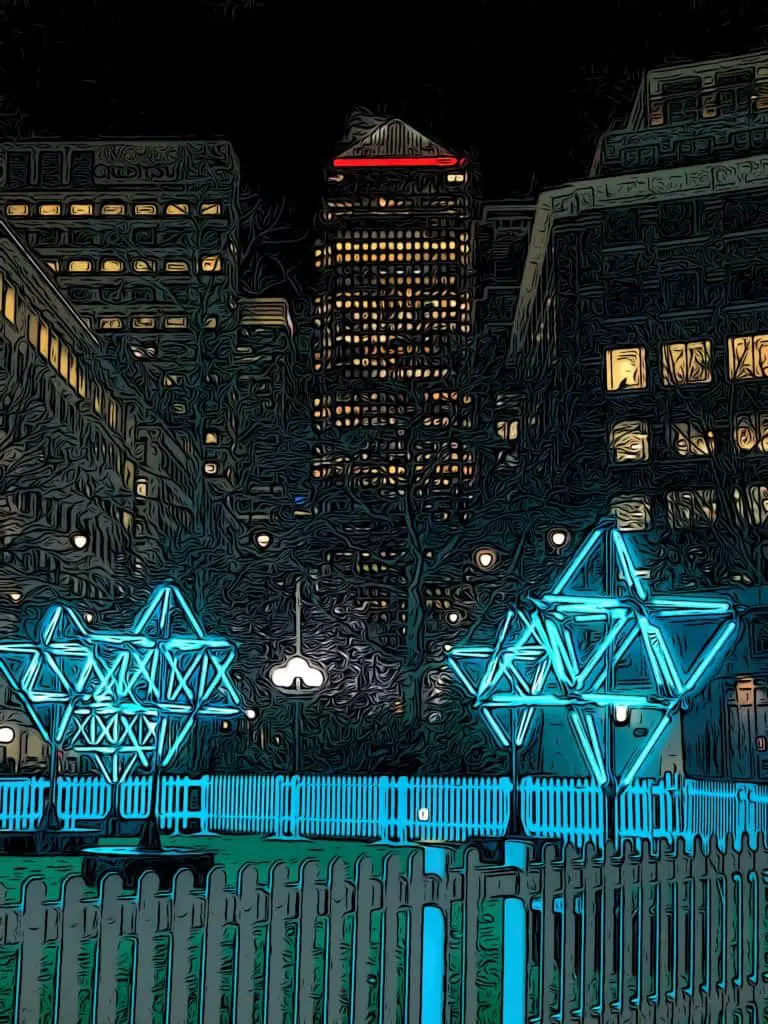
x: 297, y: 672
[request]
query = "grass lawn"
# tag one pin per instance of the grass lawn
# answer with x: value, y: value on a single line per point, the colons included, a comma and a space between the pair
x: 231, y: 853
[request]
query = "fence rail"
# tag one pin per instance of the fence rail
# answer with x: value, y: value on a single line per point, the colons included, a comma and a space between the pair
x: 614, y: 936
x: 404, y: 809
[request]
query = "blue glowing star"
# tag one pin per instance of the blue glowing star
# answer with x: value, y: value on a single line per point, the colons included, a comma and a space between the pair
x: 587, y: 648
x: 123, y: 697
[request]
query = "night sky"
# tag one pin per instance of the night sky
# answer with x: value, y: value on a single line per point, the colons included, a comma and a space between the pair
x: 527, y: 86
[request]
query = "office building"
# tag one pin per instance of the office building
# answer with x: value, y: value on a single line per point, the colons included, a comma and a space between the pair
x: 641, y: 335
x: 141, y: 237
x: 393, y: 405
x: 94, y: 492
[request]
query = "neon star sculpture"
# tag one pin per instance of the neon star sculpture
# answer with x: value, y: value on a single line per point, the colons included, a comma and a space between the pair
x: 569, y: 649
x: 126, y: 699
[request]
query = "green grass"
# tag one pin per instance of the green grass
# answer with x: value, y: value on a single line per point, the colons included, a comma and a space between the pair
x: 231, y: 853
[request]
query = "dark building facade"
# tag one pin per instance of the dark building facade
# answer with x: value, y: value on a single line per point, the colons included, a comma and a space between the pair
x: 640, y: 341
x: 141, y: 237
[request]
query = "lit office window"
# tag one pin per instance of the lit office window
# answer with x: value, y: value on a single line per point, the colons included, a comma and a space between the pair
x: 686, y: 509
x: 144, y: 323
x: 686, y: 362
x: 629, y: 441
x: 80, y: 266
x: 692, y: 439
x: 9, y: 303
x: 144, y: 266
x: 748, y: 356
x: 17, y: 210
x: 211, y: 468
x: 145, y: 209
x: 111, y: 323
x: 81, y: 209
x: 211, y: 437
x: 750, y: 432
x: 210, y: 264
x: 211, y: 321
x: 210, y: 209
x: 632, y: 512
x: 113, y: 210
x: 112, y: 266
x: 50, y: 209
x: 177, y: 209
x: 175, y: 323
x: 142, y: 488
x: 625, y: 369
x: 176, y: 267
x: 53, y: 265
x: 756, y: 511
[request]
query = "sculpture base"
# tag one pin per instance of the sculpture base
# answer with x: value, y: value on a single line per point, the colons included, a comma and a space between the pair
x: 130, y: 862
x: 46, y: 843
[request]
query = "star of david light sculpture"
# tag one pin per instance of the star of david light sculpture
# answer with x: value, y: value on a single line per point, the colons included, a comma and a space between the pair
x: 126, y: 699
x: 589, y: 648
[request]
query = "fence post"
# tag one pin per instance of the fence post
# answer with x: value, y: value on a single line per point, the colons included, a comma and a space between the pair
x: 514, y: 942
x: 401, y: 817
x: 433, y: 952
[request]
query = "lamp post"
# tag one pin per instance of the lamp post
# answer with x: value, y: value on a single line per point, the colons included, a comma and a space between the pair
x: 297, y: 678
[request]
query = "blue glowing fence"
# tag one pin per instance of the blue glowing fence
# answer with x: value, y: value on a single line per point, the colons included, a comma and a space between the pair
x: 401, y: 809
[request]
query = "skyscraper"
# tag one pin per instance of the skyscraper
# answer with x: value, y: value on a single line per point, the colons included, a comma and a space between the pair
x: 393, y: 407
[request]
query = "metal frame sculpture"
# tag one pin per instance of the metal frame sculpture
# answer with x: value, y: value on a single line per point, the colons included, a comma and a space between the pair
x: 565, y: 649
x: 125, y: 699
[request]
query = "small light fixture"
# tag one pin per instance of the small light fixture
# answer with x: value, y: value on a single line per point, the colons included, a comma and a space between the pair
x: 250, y: 714
x: 486, y: 558
x: 558, y: 539
x: 80, y: 541
x: 263, y: 540
x: 447, y: 647
x: 224, y: 726
x: 621, y: 714
x: 88, y: 616
x: 423, y: 814
x: 15, y: 596
x: 453, y: 617
x: 6, y: 734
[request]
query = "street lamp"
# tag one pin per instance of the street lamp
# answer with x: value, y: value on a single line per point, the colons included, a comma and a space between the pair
x: 298, y: 678
x: 558, y: 539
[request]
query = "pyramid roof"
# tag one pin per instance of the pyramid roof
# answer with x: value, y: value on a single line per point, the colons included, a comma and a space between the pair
x: 396, y: 144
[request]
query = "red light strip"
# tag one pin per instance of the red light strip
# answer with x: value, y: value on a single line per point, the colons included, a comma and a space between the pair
x: 399, y: 161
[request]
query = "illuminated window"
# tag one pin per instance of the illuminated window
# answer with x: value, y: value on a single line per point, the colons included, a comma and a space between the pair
x: 142, y: 488
x: 111, y: 323
x: 629, y: 441
x: 9, y: 303
x: 454, y: 177
x: 686, y: 509
x: 211, y: 321
x: 53, y: 350
x: 750, y: 432
x: 748, y: 356
x: 17, y: 209
x: 757, y: 504
x: 113, y: 209
x: 211, y: 468
x: 177, y: 209
x: 632, y: 512
x: 625, y: 369
x: 210, y: 209
x: 144, y: 323
x: 686, y: 362
x: 112, y: 266
x: 53, y: 265
x: 145, y: 209
x: 508, y: 430
x: 81, y: 209
x: 144, y: 266
x: 176, y: 267
x: 175, y: 322
x: 210, y: 264
x: 692, y: 439
x: 80, y: 266
x: 50, y: 209
x: 211, y: 437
